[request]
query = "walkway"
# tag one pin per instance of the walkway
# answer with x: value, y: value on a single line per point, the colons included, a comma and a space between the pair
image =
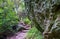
x: 21, y: 34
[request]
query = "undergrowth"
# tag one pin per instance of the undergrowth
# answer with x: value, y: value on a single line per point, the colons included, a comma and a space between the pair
x: 34, y: 34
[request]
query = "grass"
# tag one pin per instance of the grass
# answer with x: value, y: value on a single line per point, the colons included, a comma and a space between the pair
x: 34, y: 34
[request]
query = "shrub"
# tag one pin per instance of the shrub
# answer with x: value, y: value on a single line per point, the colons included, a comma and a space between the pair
x: 8, y: 17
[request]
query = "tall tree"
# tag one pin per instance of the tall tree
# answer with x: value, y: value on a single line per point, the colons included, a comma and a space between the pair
x: 46, y: 15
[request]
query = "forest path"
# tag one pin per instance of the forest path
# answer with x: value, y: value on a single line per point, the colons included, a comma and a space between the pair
x: 21, y: 34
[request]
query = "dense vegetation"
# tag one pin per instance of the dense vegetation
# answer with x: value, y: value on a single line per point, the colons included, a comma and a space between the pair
x: 45, y: 14
x: 8, y: 17
x: 42, y: 15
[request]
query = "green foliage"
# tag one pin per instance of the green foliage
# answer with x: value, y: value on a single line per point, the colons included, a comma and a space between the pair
x: 8, y: 17
x: 22, y: 5
x: 33, y: 34
x: 27, y: 21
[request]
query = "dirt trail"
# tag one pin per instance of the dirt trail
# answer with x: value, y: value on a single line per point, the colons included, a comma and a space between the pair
x: 21, y: 34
